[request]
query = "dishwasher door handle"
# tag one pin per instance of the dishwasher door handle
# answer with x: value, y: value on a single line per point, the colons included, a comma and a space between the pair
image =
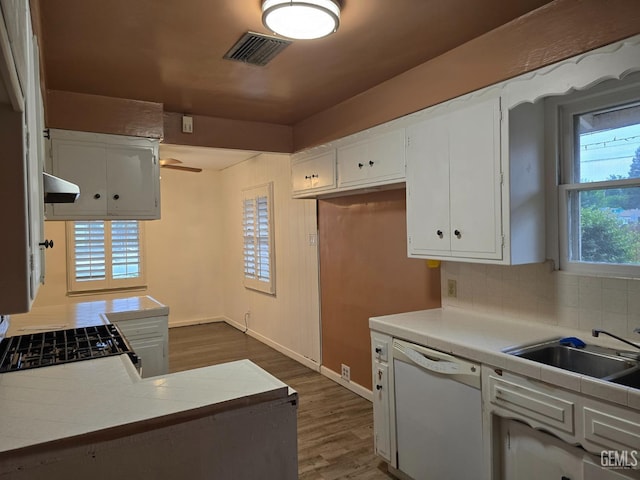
x: 431, y: 363
x: 439, y: 362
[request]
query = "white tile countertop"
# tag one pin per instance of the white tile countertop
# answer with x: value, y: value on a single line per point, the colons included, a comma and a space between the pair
x: 71, y: 400
x: 483, y: 338
x: 84, y: 314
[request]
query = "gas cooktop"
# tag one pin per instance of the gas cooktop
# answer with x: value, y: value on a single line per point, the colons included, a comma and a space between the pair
x: 62, y: 346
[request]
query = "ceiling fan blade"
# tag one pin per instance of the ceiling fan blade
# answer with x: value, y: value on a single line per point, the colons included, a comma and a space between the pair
x: 180, y: 167
x: 169, y: 161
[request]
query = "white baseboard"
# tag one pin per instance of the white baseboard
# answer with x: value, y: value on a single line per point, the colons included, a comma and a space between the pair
x: 354, y: 387
x: 197, y: 321
x: 307, y: 362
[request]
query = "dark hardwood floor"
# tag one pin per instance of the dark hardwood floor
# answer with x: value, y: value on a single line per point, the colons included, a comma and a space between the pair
x: 335, y: 426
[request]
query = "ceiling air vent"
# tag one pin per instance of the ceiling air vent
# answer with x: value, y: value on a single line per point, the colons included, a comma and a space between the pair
x: 256, y: 49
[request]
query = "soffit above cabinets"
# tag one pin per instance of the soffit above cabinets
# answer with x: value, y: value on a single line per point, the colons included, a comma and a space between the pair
x: 172, y: 51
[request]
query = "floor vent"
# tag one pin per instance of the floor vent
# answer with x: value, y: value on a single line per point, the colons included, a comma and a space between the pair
x: 256, y: 49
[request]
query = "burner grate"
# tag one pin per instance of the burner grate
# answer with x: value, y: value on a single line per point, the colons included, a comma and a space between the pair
x: 62, y: 346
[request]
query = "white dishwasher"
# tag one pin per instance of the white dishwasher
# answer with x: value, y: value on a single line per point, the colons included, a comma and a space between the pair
x: 438, y: 414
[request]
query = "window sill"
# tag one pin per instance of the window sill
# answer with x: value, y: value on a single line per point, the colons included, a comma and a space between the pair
x: 106, y: 291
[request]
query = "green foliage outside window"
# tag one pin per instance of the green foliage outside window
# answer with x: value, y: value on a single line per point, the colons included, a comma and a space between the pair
x: 605, y: 236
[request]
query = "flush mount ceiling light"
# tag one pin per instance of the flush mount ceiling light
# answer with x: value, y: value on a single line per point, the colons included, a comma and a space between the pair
x: 301, y: 19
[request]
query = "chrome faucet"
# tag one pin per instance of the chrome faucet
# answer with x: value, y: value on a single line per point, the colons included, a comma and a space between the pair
x: 597, y: 331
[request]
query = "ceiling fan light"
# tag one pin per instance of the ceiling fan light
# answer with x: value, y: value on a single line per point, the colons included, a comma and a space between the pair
x: 301, y: 19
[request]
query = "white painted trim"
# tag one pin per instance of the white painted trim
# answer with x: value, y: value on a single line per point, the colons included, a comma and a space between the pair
x: 197, y: 321
x: 354, y: 387
x: 307, y: 362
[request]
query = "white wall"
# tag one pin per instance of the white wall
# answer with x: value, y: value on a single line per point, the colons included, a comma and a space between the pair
x: 290, y: 319
x: 194, y: 257
x: 537, y: 293
x: 183, y: 251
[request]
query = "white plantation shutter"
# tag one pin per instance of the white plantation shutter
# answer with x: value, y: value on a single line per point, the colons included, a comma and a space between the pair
x: 103, y: 255
x: 125, y: 249
x: 257, y: 229
x: 90, y: 257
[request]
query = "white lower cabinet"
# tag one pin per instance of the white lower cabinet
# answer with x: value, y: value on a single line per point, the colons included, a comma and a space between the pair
x: 529, y: 454
x: 584, y: 438
x: 382, y: 435
x: 149, y: 339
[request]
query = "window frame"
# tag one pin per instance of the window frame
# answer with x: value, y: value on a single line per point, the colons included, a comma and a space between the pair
x: 109, y: 284
x: 560, y: 119
x: 255, y: 283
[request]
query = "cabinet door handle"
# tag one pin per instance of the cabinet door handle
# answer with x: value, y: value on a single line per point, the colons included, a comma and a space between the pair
x: 46, y: 244
x: 96, y: 196
x: 439, y: 233
x: 457, y: 233
x: 371, y: 162
x: 360, y: 165
x: 116, y: 196
x: 378, y: 387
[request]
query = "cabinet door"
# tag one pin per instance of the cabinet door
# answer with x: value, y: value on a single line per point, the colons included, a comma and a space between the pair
x: 35, y: 165
x: 386, y: 156
x: 474, y: 184
x: 84, y: 164
x: 131, y: 175
x: 16, y: 15
x: 381, y: 427
x: 353, y: 165
x: 380, y: 158
x: 317, y: 173
x: 528, y: 454
x: 148, y: 338
x: 593, y: 471
x: 152, y: 354
x: 428, y: 188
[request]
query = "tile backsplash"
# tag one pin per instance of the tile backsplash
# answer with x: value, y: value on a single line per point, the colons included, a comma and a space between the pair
x: 538, y: 293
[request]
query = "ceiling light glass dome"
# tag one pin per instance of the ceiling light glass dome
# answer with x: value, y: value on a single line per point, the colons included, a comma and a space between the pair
x: 301, y: 19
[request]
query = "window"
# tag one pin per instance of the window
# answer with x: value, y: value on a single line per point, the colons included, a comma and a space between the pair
x: 104, y: 255
x: 600, y: 183
x: 257, y: 228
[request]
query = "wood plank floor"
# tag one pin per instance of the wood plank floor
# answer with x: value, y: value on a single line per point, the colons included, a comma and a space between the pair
x: 335, y: 426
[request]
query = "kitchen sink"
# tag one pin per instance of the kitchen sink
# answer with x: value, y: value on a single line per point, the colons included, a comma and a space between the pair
x: 591, y: 360
x: 628, y: 379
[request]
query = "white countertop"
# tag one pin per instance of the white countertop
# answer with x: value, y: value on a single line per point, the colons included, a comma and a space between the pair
x: 84, y: 314
x: 58, y: 402
x: 482, y: 338
x: 77, y: 401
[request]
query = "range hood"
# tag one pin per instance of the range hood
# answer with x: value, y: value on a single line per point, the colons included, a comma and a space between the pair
x: 57, y: 190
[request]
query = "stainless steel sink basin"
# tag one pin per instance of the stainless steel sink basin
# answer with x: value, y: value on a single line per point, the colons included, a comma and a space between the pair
x: 628, y: 379
x: 594, y: 361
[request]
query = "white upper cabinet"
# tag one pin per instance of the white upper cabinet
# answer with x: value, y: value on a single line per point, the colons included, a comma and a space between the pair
x: 118, y: 176
x: 370, y: 159
x: 313, y: 174
x: 475, y: 184
x: 453, y: 184
x: 21, y: 124
x: 376, y: 160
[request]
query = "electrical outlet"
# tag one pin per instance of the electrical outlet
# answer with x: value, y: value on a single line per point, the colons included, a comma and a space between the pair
x: 346, y: 372
x: 452, y: 288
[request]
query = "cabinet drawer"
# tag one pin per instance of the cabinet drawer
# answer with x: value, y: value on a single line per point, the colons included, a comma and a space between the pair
x: 537, y: 405
x: 316, y: 173
x: 610, y: 430
x: 143, y: 327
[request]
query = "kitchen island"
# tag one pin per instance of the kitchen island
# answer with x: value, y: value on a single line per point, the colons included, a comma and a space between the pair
x: 98, y: 419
